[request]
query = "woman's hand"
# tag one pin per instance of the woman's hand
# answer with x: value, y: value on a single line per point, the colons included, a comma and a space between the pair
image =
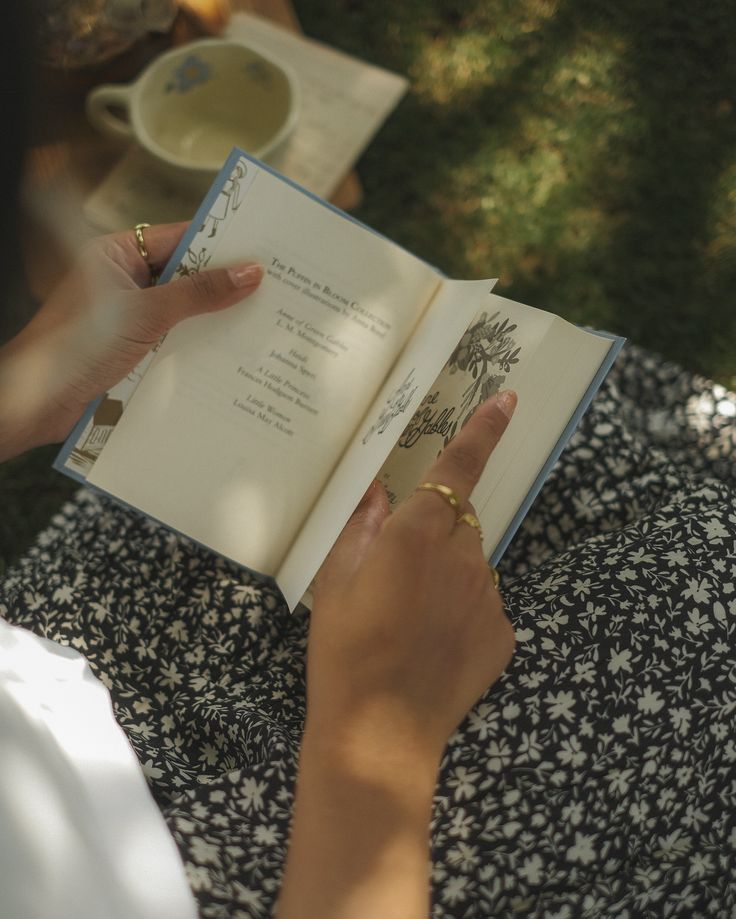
x: 407, y: 631
x: 407, y: 628
x: 94, y: 329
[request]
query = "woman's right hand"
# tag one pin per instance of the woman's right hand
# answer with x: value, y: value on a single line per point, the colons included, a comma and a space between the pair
x: 407, y: 629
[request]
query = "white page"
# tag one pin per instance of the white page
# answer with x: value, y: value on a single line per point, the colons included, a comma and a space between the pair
x: 559, y: 377
x: 437, y: 335
x: 503, y: 329
x: 237, y: 423
x: 554, y: 365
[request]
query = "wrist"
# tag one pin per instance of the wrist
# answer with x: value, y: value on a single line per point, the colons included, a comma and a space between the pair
x: 359, y: 842
x: 387, y: 762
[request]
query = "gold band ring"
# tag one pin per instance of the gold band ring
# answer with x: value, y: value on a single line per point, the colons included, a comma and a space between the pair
x: 444, y: 491
x: 143, y: 249
x: 139, y: 228
x: 472, y: 521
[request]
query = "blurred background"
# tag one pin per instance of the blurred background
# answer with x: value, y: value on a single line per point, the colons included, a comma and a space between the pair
x: 581, y: 150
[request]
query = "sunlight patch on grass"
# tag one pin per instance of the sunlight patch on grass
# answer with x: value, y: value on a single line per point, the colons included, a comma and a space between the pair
x: 528, y: 196
x: 722, y: 216
x: 485, y: 49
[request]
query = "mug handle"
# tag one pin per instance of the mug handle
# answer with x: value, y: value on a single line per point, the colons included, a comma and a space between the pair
x: 98, y: 110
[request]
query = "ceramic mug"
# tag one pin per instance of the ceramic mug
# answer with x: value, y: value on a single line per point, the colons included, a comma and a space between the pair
x: 192, y: 105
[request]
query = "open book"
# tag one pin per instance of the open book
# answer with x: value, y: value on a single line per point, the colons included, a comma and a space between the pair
x: 256, y: 430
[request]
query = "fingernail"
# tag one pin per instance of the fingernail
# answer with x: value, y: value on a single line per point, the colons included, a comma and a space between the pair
x: 506, y: 401
x: 248, y: 275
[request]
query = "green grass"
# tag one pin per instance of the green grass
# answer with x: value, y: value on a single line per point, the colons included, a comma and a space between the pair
x: 584, y: 152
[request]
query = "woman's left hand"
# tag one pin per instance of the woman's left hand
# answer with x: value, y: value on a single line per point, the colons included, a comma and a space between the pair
x: 96, y: 326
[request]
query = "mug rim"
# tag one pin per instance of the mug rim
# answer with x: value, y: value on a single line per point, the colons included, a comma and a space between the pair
x: 141, y: 133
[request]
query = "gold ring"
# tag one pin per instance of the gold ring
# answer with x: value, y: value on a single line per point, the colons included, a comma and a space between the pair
x: 143, y: 249
x: 472, y: 521
x: 447, y: 493
x: 139, y: 228
x: 495, y: 575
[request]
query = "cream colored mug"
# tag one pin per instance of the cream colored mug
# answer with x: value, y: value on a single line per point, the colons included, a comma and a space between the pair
x: 192, y: 105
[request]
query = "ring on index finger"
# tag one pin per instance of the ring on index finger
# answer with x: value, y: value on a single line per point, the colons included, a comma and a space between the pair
x: 444, y: 491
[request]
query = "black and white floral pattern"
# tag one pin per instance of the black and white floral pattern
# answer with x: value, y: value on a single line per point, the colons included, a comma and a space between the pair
x: 596, y: 778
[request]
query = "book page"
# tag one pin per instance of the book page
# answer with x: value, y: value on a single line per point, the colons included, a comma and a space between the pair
x: 236, y: 425
x: 553, y: 386
x: 435, y: 338
x: 547, y: 361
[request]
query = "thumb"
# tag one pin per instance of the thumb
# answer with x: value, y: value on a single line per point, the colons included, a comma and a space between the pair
x: 159, y: 308
x: 352, y: 544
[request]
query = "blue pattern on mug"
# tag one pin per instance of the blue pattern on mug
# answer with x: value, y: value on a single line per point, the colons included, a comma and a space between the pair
x: 191, y: 72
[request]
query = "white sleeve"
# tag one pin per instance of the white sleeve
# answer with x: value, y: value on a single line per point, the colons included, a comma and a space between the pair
x: 80, y: 834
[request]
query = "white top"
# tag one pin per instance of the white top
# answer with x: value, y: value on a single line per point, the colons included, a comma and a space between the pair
x: 80, y: 834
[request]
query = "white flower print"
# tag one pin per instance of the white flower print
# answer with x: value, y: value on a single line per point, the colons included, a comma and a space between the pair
x: 464, y: 781
x: 251, y: 794
x: 618, y: 780
x: 529, y: 747
x: 571, y: 753
x: 582, y: 851
x: 204, y: 852
x: 697, y: 590
x: 697, y: 622
x: 701, y: 864
x: 574, y: 813
x: 460, y: 824
x: 267, y: 835
x: 650, y: 701
x: 454, y: 890
x: 531, y: 869
x: 482, y: 720
x: 499, y: 755
x: 560, y: 705
x: 463, y: 856
x: 681, y: 717
x: 620, y: 660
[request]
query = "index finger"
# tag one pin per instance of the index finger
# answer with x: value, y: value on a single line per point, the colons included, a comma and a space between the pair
x: 463, y: 460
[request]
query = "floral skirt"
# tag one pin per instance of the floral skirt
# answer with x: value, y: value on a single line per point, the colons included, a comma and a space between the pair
x: 596, y: 778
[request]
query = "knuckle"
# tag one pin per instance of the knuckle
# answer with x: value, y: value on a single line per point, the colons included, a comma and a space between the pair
x: 467, y: 461
x: 414, y: 530
x: 204, y: 285
x: 493, y: 425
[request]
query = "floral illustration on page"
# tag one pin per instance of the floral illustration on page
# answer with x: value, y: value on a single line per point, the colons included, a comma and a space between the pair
x: 487, y: 351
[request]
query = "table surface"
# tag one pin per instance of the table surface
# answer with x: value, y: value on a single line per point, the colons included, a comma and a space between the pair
x: 68, y: 159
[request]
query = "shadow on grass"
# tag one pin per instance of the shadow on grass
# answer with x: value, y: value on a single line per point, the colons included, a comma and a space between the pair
x: 644, y: 157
